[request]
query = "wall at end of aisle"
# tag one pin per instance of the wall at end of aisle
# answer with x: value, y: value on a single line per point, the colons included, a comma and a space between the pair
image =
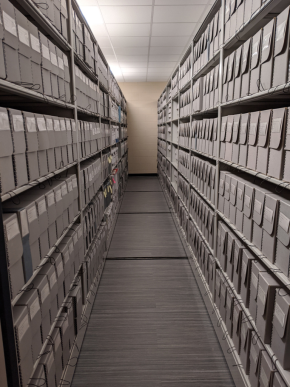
x: 142, y: 100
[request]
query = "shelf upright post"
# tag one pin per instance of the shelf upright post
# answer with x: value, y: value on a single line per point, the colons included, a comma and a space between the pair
x: 221, y: 65
x: 73, y: 90
x: 6, y: 316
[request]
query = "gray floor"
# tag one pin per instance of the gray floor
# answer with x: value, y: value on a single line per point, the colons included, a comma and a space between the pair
x: 149, y: 326
x: 143, y: 183
x: 143, y: 202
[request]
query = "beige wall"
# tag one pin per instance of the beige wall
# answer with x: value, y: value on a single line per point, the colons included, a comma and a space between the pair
x: 142, y: 124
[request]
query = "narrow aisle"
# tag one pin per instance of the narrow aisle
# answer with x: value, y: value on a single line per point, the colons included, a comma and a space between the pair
x: 149, y: 326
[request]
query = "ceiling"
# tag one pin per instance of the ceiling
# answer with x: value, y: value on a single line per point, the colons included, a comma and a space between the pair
x: 144, y: 40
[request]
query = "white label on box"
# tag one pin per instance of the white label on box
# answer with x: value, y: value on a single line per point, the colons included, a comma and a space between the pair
x: 279, y: 314
x: 243, y: 332
x: 71, y: 248
x: 75, y: 238
x: 236, y: 314
x: 276, y: 125
x: 254, y: 353
x: 284, y: 222
x: 258, y: 207
x: 263, y: 128
x: 9, y: 24
x: 50, y: 361
x: 65, y: 325
x: 59, y: 268
x: 255, y: 280
x: 66, y: 257
x: 244, y: 269
x: 244, y: 127
x: 262, y: 295
x: 32, y: 214
x: 264, y: 377
x: 253, y: 128
x: 69, y: 186
x: 255, y: 49
x: 35, y: 43
x: 58, y: 196
x: 45, y: 52
x: 4, y: 121
x: 18, y: 123
x: 49, y: 124
x: 24, y: 222
x: 12, y: 229
x: 266, y: 41
x: 41, y: 207
x: 64, y: 190
x: 240, y: 193
x: 44, y: 293
x: 41, y: 124
x: 23, y: 327
x: 57, y: 343
x: 60, y: 63
x: 268, y: 214
x: 30, y: 124
x: 52, y: 280
x: 56, y: 125
x: 233, y: 189
x: 280, y: 30
x: 50, y: 199
x: 80, y: 232
x: 34, y: 308
x: 62, y: 125
x: 247, y: 201
x: 227, y: 187
x: 23, y: 35
x: 65, y: 61
x: 74, y: 182
x: 53, y: 58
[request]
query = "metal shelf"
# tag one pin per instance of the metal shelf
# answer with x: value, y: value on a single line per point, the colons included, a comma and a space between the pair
x: 279, y: 183
x: 11, y: 93
x: 34, y: 183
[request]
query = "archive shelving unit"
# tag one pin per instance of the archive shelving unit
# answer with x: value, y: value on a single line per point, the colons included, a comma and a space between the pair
x: 173, y: 117
x: 26, y: 98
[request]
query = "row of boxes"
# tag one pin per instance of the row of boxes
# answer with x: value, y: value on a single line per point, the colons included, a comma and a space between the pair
x: 267, y: 303
x: 115, y: 134
x: 210, y: 97
x: 184, y: 163
x: 204, y: 136
x: 93, y: 137
x: 162, y: 147
x: 184, y: 134
x: 114, y: 88
x: 183, y: 189
x: 30, y: 314
x: 104, y: 104
x: 174, y: 84
x: 208, y: 44
x: 56, y: 12
x: 162, y: 132
x: 197, y: 95
x: 261, y: 62
x: 258, y: 141
x: 93, y: 216
x: 34, y: 223
x: 124, y: 148
x: 90, y: 178
x: 88, y: 93
x: 185, y: 71
x: 106, y: 163
x: 185, y: 103
x: 33, y: 145
x: 202, y: 176
x: 29, y: 58
x: 263, y: 217
x: 38, y: 306
x: 113, y: 110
